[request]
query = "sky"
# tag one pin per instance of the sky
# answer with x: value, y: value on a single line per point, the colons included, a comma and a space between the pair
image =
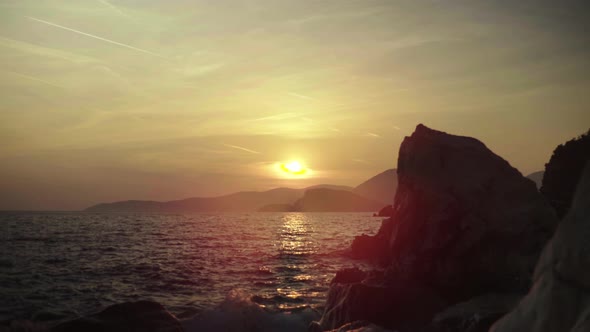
x: 106, y: 100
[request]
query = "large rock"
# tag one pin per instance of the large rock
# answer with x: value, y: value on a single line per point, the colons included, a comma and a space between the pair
x: 563, y: 172
x: 460, y: 211
x: 141, y: 316
x: 559, y: 299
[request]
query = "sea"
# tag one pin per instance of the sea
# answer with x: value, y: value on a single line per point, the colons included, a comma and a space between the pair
x: 221, y: 271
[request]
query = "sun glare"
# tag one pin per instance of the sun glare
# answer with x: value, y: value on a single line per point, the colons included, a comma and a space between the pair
x: 294, y: 167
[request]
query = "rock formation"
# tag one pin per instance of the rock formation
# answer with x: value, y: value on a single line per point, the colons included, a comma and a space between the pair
x: 144, y: 316
x: 559, y: 299
x: 459, y: 213
x: 563, y: 171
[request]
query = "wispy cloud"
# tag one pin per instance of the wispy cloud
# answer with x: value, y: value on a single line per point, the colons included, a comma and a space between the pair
x: 373, y: 135
x: 36, y: 79
x: 237, y: 147
x: 300, y: 96
x: 97, y: 37
x: 44, y: 51
x: 280, y: 116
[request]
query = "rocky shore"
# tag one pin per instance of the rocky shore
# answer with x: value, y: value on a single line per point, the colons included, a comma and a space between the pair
x: 459, y: 251
x: 471, y: 246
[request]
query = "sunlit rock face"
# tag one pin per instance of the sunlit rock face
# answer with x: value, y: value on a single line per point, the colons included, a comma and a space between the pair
x: 559, y: 299
x: 465, y: 223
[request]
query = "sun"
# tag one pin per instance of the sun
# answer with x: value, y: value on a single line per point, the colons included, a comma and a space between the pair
x: 294, y: 167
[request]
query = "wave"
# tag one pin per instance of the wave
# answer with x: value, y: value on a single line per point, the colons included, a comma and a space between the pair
x: 240, y: 314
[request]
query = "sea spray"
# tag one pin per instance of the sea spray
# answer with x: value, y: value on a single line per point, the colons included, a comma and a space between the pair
x: 240, y: 314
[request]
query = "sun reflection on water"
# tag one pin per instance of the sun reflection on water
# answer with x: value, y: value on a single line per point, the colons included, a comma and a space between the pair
x: 296, y: 235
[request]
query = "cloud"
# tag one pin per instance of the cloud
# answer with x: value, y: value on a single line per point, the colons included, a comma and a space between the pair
x: 241, y: 148
x: 281, y: 116
x: 45, y: 51
x: 36, y: 79
x: 300, y: 96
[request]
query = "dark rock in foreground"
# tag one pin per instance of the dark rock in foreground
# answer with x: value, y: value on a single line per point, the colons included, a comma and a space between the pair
x: 563, y: 172
x: 475, y: 315
x: 559, y: 299
x: 465, y: 224
x: 141, y: 316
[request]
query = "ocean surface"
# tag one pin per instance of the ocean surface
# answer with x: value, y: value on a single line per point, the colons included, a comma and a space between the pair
x: 70, y: 264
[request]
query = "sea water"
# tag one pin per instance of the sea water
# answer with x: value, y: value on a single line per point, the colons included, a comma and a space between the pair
x: 209, y: 266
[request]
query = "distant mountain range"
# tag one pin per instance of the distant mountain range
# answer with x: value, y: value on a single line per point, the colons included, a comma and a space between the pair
x: 380, y: 188
x: 371, y: 195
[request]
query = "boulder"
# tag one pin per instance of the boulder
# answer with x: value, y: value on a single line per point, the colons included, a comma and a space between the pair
x: 405, y: 306
x: 459, y: 212
x: 475, y: 315
x: 559, y: 299
x: 140, y: 316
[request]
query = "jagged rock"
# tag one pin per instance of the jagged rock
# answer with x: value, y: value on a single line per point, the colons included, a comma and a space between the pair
x: 563, y: 172
x: 559, y: 299
x: 347, y: 276
x: 360, y: 326
x: 403, y: 305
x: 141, y: 316
x: 368, y: 247
x: 475, y: 315
x: 460, y: 211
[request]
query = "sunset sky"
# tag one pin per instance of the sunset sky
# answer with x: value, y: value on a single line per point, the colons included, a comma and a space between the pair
x: 105, y: 100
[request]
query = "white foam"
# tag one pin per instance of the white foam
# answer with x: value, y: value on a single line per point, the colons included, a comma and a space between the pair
x: 238, y: 313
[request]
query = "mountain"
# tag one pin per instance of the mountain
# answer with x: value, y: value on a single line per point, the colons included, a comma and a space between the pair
x: 371, y: 195
x: 237, y: 202
x: 537, y: 177
x: 329, y: 200
x: 380, y: 188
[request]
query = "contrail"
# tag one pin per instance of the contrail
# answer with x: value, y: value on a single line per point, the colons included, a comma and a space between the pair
x: 97, y: 37
x: 111, y: 6
x: 241, y: 148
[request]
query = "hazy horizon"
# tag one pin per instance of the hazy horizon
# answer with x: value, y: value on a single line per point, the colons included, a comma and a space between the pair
x: 159, y: 100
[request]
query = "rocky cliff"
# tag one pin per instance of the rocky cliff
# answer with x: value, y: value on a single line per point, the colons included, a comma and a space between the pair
x: 465, y: 223
x: 559, y: 299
